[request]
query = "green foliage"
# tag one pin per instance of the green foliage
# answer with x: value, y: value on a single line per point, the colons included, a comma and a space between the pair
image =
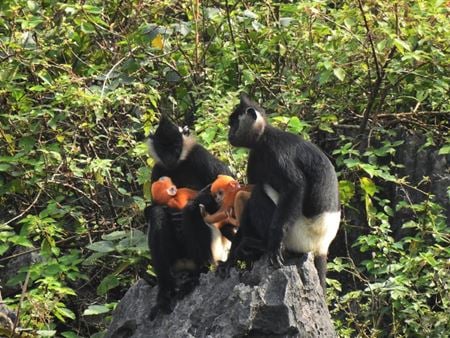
x: 81, y: 81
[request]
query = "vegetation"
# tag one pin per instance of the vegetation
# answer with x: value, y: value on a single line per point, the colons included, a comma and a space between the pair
x: 82, y: 82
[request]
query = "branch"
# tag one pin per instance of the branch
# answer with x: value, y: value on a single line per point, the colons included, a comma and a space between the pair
x: 369, y: 36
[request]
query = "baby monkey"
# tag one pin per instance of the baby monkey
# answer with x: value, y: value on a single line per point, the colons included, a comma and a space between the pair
x: 164, y: 192
x: 231, y: 197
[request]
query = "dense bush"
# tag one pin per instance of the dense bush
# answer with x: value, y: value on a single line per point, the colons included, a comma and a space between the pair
x: 81, y: 83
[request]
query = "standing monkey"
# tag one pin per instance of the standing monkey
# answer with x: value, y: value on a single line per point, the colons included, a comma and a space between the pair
x: 295, y: 201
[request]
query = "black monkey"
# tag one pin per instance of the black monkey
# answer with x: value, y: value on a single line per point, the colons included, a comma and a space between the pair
x: 176, y: 244
x: 303, y: 212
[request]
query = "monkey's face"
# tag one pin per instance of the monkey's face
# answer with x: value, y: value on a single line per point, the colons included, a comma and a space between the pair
x: 247, y: 123
x: 166, y: 144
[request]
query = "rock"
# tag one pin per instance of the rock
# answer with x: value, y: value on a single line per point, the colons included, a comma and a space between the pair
x: 262, y: 302
x: 22, y: 257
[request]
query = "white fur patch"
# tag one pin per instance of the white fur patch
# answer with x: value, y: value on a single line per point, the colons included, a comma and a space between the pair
x: 188, y: 143
x: 220, y: 246
x: 272, y: 193
x: 152, y: 151
x: 313, y: 234
x: 260, y: 123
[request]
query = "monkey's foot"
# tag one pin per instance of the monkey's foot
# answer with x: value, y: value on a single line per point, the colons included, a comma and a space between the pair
x: 276, y: 258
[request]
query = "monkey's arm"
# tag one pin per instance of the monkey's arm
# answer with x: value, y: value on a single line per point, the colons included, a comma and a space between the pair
x: 218, y: 216
x: 183, y: 196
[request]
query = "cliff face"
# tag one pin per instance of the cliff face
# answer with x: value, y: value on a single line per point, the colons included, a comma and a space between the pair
x: 285, y: 302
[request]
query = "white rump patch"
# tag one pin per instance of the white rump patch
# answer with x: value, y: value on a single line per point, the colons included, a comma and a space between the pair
x: 313, y: 234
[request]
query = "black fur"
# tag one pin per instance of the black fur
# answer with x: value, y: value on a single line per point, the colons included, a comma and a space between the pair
x: 300, y: 173
x: 199, y: 169
x: 172, y: 239
x: 197, y: 234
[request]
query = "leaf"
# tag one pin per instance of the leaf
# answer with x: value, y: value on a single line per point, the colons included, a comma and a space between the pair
x: 45, y: 333
x: 339, y: 73
x: 62, y: 312
x: 101, y: 246
x: 368, y: 186
x: 108, y: 283
x: 401, y: 45
x: 4, y: 167
x: 250, y: 14
x: 115, y: 235
x: 96, y: 310
x: 346, y: 191
x: 158, y: 42
x: 445, y: 150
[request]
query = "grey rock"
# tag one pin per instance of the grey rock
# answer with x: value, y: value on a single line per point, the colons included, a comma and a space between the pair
x: 262, y: 302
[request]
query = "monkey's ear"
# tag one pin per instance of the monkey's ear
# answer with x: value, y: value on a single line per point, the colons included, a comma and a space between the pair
x: 185, y: 131
x: 252, y: 112
x: 234, y: 184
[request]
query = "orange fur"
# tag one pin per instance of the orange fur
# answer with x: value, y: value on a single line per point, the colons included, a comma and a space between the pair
x: 164, y: 192
x: 232, y: 198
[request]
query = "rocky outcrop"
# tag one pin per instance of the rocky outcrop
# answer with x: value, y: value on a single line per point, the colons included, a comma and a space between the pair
x: 262, y: 302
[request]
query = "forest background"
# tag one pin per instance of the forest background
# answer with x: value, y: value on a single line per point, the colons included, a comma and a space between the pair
x: 83, y: 82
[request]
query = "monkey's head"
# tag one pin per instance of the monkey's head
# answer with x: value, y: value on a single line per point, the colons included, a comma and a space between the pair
x: 224, y: 189
x: 170, y: 144
x: 163, y: 190
x: 247, y: 123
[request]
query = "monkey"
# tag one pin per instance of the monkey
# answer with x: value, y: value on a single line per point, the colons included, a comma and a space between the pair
x: 231, y: 197
x: 177, y: 155
x: 295, y: 202
x: 164, y: 192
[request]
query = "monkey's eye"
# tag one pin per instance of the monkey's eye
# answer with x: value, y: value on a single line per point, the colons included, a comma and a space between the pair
x: 219, y: 196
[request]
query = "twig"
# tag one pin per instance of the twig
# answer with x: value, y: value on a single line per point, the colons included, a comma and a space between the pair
x: 22, y: 296
x: 27, y: 209
x: 414, y: 113
x: 113, y: 68
x: 369, y: 35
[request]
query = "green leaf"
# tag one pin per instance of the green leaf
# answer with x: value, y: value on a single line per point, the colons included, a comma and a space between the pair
x: 339, y: 73
x: 108, y: 283
x: 101, y: 246
x: 445, y: 150
x: 93, y: 310
x: 45, y: 333
x: 401, y: 45
x: 346, y: 191
x: 368, y: 186
x: 4, y: 167
x: 114, y: 235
